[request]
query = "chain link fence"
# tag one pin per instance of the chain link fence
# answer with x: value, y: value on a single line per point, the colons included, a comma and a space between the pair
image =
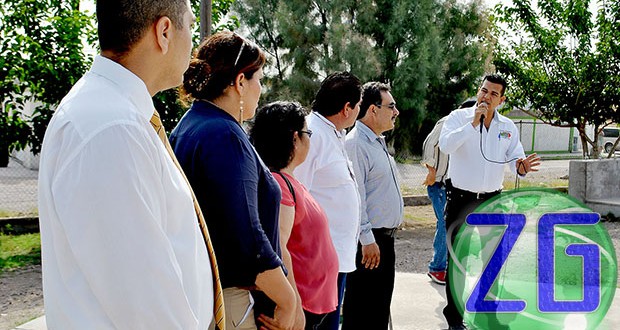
x: 412, y: 175
x: 535, y: 137
x: 18, y: 184
x: 18, y: 190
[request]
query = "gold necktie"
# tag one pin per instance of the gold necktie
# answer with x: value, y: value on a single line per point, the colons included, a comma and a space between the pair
x: 218, y: 307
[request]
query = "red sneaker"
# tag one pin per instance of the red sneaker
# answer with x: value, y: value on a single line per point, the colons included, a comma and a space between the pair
x: 438, y: 277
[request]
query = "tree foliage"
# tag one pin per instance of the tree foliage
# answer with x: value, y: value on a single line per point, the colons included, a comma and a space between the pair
x: 43, y: 52
x: 444, y: 57
x: 430, y: 51
x: 306, y: 40
x: 563, y: 62
x: 167, y: 102
x: 41, y: 57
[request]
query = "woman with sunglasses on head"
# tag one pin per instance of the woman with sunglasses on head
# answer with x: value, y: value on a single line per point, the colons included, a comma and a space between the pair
x: 236, y: 192
x: 282, y: 139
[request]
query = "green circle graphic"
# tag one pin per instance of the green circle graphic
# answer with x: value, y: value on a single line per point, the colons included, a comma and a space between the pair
x: 518, y: 276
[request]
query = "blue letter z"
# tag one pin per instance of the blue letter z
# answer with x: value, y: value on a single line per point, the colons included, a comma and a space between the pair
x: 514, y: 225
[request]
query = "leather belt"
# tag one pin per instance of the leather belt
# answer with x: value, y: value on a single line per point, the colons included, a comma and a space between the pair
x: 391, y: 232
x: 472, y: 195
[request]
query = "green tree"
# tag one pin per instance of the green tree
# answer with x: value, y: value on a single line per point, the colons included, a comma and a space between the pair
x: 430, y: 51
x: 443, y: 56
x: 167, y: 102
x: 562, y: 62
x: 43, y: 53
x: 305, y: 41
x: 41, y: 46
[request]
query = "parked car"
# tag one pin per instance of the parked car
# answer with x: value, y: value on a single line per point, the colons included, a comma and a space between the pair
x: 610, y: 135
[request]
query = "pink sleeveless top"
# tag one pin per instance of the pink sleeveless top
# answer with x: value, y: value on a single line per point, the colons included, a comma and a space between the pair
x: 314, y: 258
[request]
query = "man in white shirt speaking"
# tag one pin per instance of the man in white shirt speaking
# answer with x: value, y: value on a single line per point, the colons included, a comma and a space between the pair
x: 327, y: 171
x: 121, y: 244
x: 480, y: 143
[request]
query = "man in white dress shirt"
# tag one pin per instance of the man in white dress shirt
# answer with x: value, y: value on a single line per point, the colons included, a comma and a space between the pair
x: 327, y: 172
x: 475, y: 177
x: 120, y: 241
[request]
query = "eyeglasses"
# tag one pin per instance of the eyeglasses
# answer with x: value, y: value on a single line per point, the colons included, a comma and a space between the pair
x: 391, y: 106
x: 309, y: 132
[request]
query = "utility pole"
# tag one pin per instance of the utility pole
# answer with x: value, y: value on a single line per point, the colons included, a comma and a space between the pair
x: 205, y: 19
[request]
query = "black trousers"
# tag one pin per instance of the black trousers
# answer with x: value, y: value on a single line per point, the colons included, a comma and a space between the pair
x: 459, y: 204
x: 369, y: 292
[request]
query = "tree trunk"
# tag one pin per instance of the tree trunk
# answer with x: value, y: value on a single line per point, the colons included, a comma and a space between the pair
x: 613, y: 148
x: 584, y: 141
x: 205, y: 19
x: 596, y: 152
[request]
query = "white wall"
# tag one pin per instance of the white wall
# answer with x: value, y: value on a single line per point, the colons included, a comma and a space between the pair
x: 546, y: 137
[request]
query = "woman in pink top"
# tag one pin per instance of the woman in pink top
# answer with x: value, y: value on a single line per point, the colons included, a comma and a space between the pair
x: 282, y: 139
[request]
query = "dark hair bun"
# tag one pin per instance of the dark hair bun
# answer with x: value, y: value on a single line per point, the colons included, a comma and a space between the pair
x: 212, y: 69
x: 196, y: 77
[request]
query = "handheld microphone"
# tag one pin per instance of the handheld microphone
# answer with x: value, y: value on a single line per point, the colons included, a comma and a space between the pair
x: 482, y: 148
x: 482, y: 116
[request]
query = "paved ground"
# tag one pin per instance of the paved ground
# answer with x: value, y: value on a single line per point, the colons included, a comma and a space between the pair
x: 417, y: 305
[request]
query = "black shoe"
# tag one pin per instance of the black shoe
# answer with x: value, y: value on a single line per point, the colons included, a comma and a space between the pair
x: 457, y: 327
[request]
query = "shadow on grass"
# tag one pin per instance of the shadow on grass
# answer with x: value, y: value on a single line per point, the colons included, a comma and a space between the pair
x: 17, y: 261
x: 19, y: 250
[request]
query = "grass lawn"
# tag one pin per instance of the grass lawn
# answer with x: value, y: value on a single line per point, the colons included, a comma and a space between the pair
x: 14, y: 214
x: 509, y: 184
x: 19, y: 250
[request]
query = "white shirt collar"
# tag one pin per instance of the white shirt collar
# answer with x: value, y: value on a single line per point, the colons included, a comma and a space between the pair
x: 129, y: 84
x: 339, y: 134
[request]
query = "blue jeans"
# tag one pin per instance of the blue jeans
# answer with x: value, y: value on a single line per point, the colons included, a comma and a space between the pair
x: 437, y: 195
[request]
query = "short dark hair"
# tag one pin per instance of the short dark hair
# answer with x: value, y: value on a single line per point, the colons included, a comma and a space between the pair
x: 496, y: 79
x: 371, y: 94
x: 272, y: 132
x: 217, y: 62
x: 335, y: 91
x: 122, y: 23
x: 470, y: 102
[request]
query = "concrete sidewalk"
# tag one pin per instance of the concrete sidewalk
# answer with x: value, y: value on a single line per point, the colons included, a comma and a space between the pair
x: 417, y: 305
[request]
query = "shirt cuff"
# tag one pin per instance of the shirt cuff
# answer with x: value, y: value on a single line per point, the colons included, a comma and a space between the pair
x: 367, y: 238
x: 269, y: 260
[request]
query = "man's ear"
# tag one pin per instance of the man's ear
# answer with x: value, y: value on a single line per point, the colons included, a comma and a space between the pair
x: 346, y: 110
x: 163, y: 30
x: 502, y: 99
x: 295, y: 138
